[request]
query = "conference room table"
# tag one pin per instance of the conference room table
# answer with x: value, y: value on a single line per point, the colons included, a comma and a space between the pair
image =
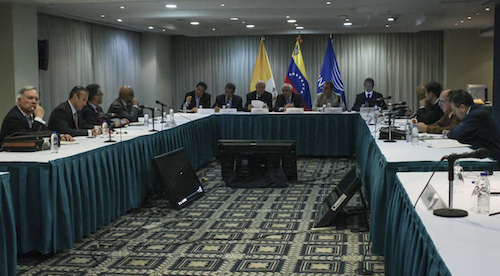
x: 448, y: 246
x: 60, y: 198
x: 8, y: 248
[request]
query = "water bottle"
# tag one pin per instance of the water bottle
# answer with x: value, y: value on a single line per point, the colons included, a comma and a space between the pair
x: 146, y: 119
x: 483, y: 194
x: 408, y: 132
x: 228, y: 105
x: 184, y: 108
x: 414, y: 135
x: 105, y: 129
x: 473, y: 197
x: 458, y: 179
x: 171, y: 120
x: 54, y: 142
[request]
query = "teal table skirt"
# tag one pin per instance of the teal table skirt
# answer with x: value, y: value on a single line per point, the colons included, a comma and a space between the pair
x: 409, y: 250
x: 58, y: 203
x: 8, y: 248
x: 315, y: 134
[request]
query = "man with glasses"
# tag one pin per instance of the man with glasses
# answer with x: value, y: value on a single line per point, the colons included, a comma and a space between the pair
x: 447, y: 122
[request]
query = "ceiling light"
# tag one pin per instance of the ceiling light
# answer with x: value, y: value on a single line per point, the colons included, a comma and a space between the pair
x: 387, y: 25
x: 347, y: 23
x: 487, y: 9
x: 150, y: 27
x: 234, y: 19
x: 171, y: 6
x: 288, y: 16
x: 250, y: 26
x: 164, y: 29
x: 296, y: 24
x: 328, y: 3
x: 456, y: 24
x: 103, y: 15
x: 391, y: 19
x: 461, y: 21
x: 213, y: 29
x: 291, y: 21
x: 469, y: 17
x: 222, y: 5
x: 195, y: 23
x: 299, y: 28
x: 122, y: 7
x: 242, y: 22
x: 477, y: 14
x: 119, y: 20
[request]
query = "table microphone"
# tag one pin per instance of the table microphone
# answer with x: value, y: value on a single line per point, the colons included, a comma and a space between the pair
x: 398, y: 103
x: 384, y: 98
x: 160, y: 103
x: 152, y: 115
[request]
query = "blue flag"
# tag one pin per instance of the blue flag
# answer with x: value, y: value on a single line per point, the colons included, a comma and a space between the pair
x: 330, y: 72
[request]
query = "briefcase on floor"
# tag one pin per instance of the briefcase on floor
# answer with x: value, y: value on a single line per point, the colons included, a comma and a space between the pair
x: 26, y: 141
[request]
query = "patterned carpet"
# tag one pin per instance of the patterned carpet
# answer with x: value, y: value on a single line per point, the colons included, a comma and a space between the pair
x: 226, y: 232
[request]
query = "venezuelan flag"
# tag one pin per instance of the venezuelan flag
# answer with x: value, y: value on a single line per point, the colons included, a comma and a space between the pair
x: 297, y: 76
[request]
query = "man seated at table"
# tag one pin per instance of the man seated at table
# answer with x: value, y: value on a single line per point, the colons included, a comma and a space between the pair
x: 288, y: 99
x: 260, y: 94
x: 26, y: 116
x: 228, y: 99
x: 369, y: 98
x: 477, y: 127
x: 199, y: 97
x: 92, y: 110
x: 126, y: 106
x: 448, y: 121
x: 430, y: 112
x: 67, y: 117
x: 328, y: 97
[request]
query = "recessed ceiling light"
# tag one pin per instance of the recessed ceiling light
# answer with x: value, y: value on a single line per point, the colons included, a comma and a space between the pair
x: 477, y: 14
x: 328, y: 3
x: 387, y: 25
x: 288, y: 16
x: 291, y: 21
x: 150, y: 27
x: 213, y: 29
x: 250, y: 26
x: 122, y: 7
x: 119, y: 20
x: 487, y: 9
x: 299, y: 28
x: 234, y: 18
x: 195, y: 23
x: 461, y: 21
x: 296, y: 24
x: 391, y: 19
x: 164, y: 29
x: 222, y: 5
x: 171, y: 6
x: 456, y: 24
x: 469, y: 17
x: 242, y: 22
x: 103, y: 15
x: 347, y: 23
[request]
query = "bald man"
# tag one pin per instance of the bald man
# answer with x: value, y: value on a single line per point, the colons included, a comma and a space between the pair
x: 126, y: 106
x: 448, y: 121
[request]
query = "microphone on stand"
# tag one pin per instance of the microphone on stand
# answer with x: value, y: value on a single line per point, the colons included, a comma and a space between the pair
x: 384, y: 98
x: 450, y: 212
x: 108, y: 115
x: 152, y: 115
x: 398, y: 103
x: 162, y: 110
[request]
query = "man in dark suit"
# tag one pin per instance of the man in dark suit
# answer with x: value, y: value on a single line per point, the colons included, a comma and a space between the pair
x: 228, y: 98
x: 126, y: 106
x: 288, y: 99
x: 26, y: 116
x: 194, y: 99
x: 92, y: 109
x: 431, y: 112
x: 369, y: 98
x: 67, y: 117
x: 477, y: 127
x: 260, y: 94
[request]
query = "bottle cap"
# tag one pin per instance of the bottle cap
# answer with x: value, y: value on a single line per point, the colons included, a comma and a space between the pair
x: 484, y: 174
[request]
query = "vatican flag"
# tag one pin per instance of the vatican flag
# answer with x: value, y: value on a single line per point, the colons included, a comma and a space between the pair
x: 262, y: 71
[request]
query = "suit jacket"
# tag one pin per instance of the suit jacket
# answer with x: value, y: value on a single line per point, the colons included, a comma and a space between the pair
x: 430, y: 114
x: 205, y: 100
x: 62, y: 121
x: 479, y: 130
x: 266, y: 97
x: 281, y: 101
x: 14, y: 121
x: 445, y: 123
x: 90, y: 115
x: 237, y: 102
x: 321, y: 100
x: 361, y: 99
x: 120, y: 109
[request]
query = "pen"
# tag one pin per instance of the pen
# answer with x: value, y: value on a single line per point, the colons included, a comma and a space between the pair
x: 492, y: 214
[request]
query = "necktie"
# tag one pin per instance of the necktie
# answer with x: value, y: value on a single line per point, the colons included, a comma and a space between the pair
x: 288, y: 100
x: 75, y: 117
x: 30, y: 120
x: 129, y: 108
x: 98, y: 109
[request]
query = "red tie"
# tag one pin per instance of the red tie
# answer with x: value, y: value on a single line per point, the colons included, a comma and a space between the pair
x: 99, y: 111
x: 76, y: 119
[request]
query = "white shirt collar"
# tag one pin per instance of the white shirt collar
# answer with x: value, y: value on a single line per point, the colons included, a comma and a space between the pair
x: 73, y: 109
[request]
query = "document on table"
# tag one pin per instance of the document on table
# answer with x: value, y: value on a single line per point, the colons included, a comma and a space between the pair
x: 257, y: 103
x: 68, y: 142
x: 445, y: 143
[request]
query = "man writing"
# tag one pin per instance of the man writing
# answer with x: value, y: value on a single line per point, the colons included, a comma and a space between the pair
x: 448, y: 121
x: 228, y: 98
x: 26, y: 116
